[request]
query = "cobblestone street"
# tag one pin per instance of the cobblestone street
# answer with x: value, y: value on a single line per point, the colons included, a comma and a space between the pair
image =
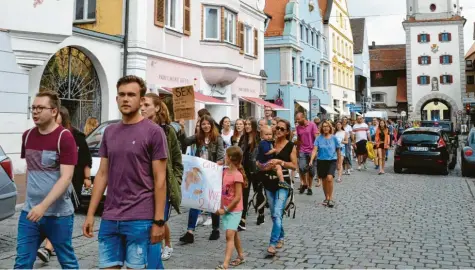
x: 392, y: 221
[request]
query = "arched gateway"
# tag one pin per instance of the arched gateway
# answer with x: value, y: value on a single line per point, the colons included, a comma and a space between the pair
x: 436, y: 106
x: 72, y: 75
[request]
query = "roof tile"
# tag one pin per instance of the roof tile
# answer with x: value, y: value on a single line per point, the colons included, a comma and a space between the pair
x: 388, y: 57
x: 357, y: 27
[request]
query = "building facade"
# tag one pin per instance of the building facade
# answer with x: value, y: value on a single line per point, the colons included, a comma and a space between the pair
x: 340, y: 38
x: 57, y: 53
x: 362, y: 64
x: 388, y: 79
x: 216, y: 46
x: 435, y: 59
x: 295, y: 49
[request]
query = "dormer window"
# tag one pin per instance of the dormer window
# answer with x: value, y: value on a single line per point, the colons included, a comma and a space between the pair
x: 423, y: 38
x: 445, y: 37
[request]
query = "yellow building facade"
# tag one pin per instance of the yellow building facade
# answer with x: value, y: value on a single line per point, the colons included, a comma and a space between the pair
x: 342, y: 78
x: 103, y: 16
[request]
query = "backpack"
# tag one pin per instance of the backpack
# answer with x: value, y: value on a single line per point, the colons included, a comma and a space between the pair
x: 75, y: 199
x: 173, y: 184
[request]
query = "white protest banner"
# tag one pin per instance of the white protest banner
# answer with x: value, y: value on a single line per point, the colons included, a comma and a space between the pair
x: 202, y: 184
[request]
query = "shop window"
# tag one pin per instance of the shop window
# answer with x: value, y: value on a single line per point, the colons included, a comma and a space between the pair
x: 229, y: 27
x: 244, y: 109
x: 211, y: 23
x: 85, y: 10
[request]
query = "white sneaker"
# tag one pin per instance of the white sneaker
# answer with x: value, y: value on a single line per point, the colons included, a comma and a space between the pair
x: 359, y: 168
x: 208, y: 222
x: 167, y: 253
x: 200, y: 221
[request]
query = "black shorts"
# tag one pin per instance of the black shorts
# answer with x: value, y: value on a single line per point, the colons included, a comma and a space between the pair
x: 326, y: 167
x: 361, y: 148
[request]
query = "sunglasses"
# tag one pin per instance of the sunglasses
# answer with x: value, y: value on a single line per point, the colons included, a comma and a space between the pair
x: 280, y: 129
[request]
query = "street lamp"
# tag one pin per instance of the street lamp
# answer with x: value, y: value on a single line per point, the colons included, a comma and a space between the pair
x: 310, y: 81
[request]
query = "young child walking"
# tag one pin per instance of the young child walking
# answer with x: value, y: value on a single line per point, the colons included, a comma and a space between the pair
x: 234, y: 181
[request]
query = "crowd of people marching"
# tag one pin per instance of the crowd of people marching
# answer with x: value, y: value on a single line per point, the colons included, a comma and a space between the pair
x: 141, y: 167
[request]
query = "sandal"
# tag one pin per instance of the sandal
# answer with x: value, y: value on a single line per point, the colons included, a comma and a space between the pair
x: 271, y: 253
x: 220, y: 267
x: 280, y: 244
x: 339, y: 180
x: 238, y: 261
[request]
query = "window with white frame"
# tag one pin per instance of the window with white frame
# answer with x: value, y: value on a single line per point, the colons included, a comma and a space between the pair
x: 229, y: 27
x: 377, y: 97
x: 173, y: 13
x: 248, y: 40
x: 318, y: 78
x: 85, y: 10
x: 211, y: 23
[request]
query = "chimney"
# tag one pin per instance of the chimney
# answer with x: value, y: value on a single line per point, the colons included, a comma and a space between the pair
x: 373, y: 45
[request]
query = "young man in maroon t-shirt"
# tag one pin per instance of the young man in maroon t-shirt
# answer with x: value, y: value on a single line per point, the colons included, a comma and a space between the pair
x: 51, y: 154
x: 133, y: 168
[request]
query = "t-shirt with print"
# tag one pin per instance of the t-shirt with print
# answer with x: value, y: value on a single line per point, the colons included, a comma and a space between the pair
x: 130, y: 150
x: 327, y: 147
x: 361, y: 132
x: 229, y: 191
x: 306, y: 134
x: 43, y: 162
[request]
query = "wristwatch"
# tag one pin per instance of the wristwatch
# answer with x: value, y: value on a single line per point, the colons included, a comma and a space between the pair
x: 159, y: 223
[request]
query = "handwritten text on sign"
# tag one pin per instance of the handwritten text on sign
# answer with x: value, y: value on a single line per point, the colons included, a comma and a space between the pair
x: 201, y: 187
x: 184, y: 103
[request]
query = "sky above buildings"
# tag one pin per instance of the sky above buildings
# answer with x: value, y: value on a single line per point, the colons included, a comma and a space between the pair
x: 384, y: 19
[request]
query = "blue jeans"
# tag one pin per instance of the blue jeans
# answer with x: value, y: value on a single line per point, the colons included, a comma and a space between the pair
x: 193, y: 218
x: 128, y: 242
x: 276, y: 202
x: 59, y: 230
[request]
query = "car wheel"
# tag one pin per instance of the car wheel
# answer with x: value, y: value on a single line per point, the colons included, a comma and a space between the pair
x: 445, y: 170
x: 465, y: 169
x: 454, y: 162
x: 397, y: 168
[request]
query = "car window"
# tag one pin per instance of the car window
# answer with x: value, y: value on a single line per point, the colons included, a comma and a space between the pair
x: 2, y: 153
x: 95, y: 138
x: 472, y: 139
x: 444, y: 126
x: 414, y: 137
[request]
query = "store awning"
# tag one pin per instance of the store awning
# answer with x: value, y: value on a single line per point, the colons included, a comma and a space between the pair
x: 328, y: 109
x: 207, y: 100
x: 303, y: 104
x: 261, y: 102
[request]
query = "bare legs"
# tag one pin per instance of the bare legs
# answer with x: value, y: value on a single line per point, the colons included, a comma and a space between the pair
x: 328, y: 187
x: 232, y: 241
x: 382, y: 159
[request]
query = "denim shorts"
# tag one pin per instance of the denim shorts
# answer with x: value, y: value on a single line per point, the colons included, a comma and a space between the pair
x: 124, y: 242
x: 304, y: 160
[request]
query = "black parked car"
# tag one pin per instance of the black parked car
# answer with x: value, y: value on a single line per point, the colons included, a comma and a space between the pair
x: 447, y: 127
x: 425, y: 147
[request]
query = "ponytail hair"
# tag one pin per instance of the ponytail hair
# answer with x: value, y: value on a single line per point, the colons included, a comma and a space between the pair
x: 234, y: 154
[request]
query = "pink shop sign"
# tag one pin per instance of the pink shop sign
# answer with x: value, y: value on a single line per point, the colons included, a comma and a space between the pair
x: 246, y: 87
x: 170, y: 74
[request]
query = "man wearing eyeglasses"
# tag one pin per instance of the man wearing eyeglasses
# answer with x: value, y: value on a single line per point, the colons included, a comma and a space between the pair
x: 51, y: 154
x: 268, y: 113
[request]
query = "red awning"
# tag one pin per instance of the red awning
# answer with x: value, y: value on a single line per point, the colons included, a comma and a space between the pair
x: 208, y: 100
x: 261, y: 102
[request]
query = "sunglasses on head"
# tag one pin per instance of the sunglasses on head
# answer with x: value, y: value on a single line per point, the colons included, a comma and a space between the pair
x: 280, y: 129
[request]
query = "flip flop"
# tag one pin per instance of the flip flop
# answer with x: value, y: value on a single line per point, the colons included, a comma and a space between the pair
x: 271, y: 253
x: 220, y: 267
x: 238, y: 261
x: 280, y: 244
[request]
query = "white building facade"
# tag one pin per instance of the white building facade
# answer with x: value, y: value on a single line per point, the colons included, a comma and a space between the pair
x: 340, y: 39
x: 31, y: 49
x: 435, y: 59
x: 362, y: 63
x: 216, y: 46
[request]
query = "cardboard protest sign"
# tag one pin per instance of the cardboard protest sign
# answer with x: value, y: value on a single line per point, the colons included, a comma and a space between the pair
x: 184, y: 103
x: 202, y: 184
